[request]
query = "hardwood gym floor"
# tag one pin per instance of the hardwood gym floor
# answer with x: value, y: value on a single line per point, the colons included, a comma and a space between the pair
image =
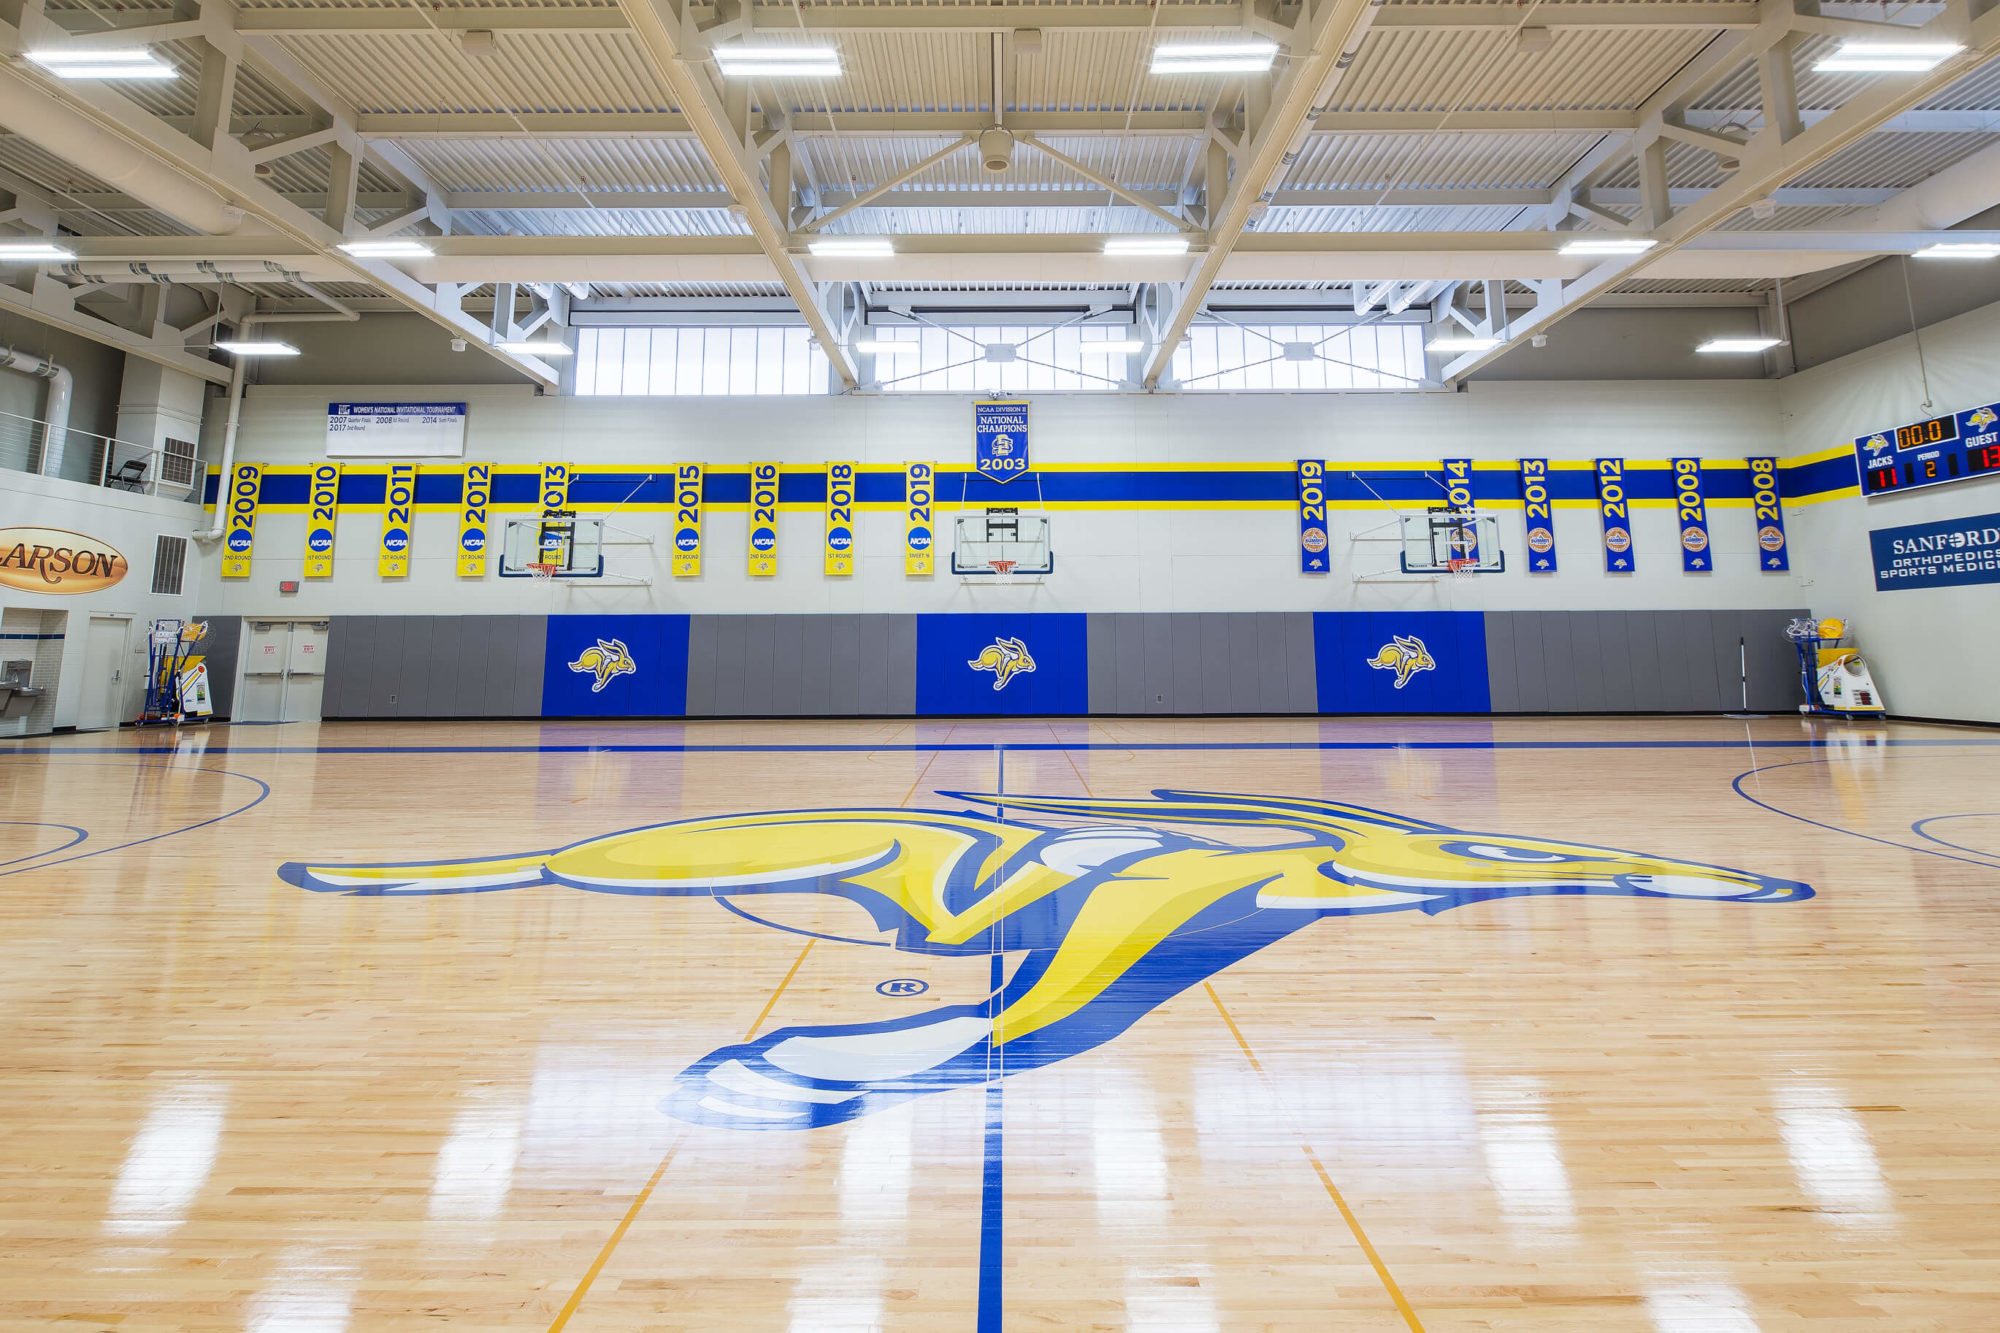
x: 1390, y: 1081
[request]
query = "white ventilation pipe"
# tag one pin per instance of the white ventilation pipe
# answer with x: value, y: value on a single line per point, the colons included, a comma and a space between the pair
x: 214, y: 534
x: 55, y: 410
x: 28, y: 109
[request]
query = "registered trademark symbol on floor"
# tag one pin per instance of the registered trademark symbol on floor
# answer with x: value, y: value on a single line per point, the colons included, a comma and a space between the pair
x: 902, y: 986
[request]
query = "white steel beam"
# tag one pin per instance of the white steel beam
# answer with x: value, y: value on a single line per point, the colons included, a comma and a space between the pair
x: 1321, y: 52
x: 1766, y: 162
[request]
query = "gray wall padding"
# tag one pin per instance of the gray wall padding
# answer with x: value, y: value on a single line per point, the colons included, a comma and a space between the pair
x: 220, y: 647
x: 802, y: 666
x: 434, y: 666
x: 1202, y: 662
x: 1639, y: 661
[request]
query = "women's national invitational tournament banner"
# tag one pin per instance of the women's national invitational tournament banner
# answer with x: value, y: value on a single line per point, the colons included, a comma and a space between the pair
x: 1693, y: 514
x: 1313, y: 557
x: 1615, y: 509
x: 1538, y: 509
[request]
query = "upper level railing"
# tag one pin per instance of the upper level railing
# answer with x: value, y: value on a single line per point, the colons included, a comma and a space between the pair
x: 102, y: 460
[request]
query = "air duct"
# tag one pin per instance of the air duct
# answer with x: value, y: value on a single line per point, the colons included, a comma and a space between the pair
x: 55, y: 409
x: 28, y: 109
x: 996, y: 149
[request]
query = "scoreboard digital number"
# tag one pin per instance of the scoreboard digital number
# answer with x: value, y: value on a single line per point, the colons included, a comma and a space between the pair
x: 1930, y: 453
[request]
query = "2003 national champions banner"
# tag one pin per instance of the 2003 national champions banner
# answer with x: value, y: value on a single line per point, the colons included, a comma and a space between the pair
x: 687, y: 520
x: 1693, y: 515
x: 322, y: 509
x: 474, y: 496
x: 1537, y: 507
x: 1616, y: 512
x: 919, y: 532
x: 1774, y: 553
x: 840, y: 518
x: 763, y: 520
x: 399, y: 501
x: 1312, y: 517
x: 246, y: 489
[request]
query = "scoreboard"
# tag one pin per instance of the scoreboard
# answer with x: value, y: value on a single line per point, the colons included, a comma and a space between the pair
x: 1931, y: 453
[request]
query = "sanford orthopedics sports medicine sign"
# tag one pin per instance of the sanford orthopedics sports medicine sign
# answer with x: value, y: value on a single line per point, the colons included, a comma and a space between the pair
x: 53, y: 560
x: 1943, y: 554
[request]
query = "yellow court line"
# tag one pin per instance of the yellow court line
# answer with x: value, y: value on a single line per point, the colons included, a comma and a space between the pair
x: 1333, y: 1191
x: 575, y: 1300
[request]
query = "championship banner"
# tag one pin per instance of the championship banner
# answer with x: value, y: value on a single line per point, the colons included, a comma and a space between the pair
x: 687, y: 520
x: 839, y: 518
x: 1000, y: 440
x: 473, y: 497
x: 1458, y: 495
x: 1693, y: 515
x: 1540, y: 515
x: 399, y: 499
x: 555, y: 496
x: 246, y: 484
x: 1770, y: 514
x: 322, y: 507
x: 1312, y: 517
x: 919, y: 537
x: 763, y: 520
x: 1616, y: 511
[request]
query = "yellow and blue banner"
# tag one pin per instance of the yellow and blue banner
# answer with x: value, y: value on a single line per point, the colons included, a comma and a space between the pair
x: 475, y: 493
x: 1615, y: 509
x: 763, y: 520
x: 919, y: 531
x: 322, y: 508
x: 246, y: 490
x: 1000, y: 440
x: 1693, y: 514
x: 1538, y: 507
x: 687, y: 520
x: 1458, y: 495
x: 399, y: 499
x: 555, y: 499
x: 1313, y: 557
x: 1774, y: 552
x: 839, y: 518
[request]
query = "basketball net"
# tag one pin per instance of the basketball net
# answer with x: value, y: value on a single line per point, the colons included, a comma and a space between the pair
x: 540, y: 570
x: 1461, y: 569
x: 1003, y: 568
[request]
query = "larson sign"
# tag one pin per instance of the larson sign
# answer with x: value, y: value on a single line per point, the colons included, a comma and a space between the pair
x: 54, y: 560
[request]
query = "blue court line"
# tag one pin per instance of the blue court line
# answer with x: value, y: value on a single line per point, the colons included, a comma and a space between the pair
x: 987, y: 747
x: 81, y: 834
x: 263, y: 790
x: 1918, y: 829
x: 992, y: 1186
x: 992, y: 1180
x: 1737, y: 783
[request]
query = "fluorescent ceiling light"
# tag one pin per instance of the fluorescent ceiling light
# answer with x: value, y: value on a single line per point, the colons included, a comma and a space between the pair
x: 1214, y: 58
x: 1461, y: 344
x: 1959, y: 250
x: 1129, y: 246
x: 885, y: 347
x: 130, y: 63
x: 1114, y: 347
x: 400, y: 249
x: 1866, y: 57
x: 1726, y: 345
x: 853, y: 247
x: 796, y: 62
x: 15, y: 252
x: 1609, y: 245
x: 535, y: 348
x: 258, y: 348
